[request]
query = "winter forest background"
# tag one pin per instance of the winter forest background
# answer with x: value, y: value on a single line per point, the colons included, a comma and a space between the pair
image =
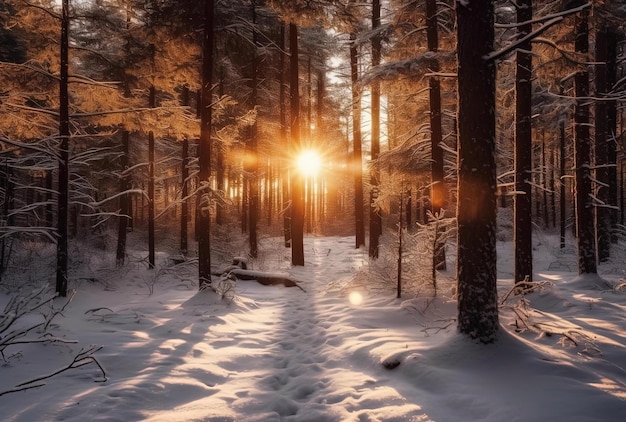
x: 201, y: 129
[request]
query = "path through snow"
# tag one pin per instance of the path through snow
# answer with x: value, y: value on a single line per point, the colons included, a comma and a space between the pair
x: 274, y: 354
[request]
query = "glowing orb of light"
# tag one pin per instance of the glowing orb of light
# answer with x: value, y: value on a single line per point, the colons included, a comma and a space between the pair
x: 309, y: 162
x: 355, y: 298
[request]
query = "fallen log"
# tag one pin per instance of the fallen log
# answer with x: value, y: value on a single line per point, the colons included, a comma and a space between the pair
x: 266, y: 279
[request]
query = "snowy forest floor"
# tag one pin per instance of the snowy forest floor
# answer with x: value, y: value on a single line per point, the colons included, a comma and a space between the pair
x: 345, y: 349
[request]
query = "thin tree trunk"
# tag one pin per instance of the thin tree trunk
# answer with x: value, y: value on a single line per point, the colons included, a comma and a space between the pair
x: 220, y: 170
x: 123, y: 202
x: 476, y: 205
x: 522, y: 210
x: 184, y: 171
x: 611, y: 117
x: 544, y: 176
x: 151, y: 196
x: 438, y: 187
x: 64, y: 134
x: 374, y: 214
x: 253, y: 169
x: 357, y: 161
x: 284, y: 173
x: 553, y: 184
x: 587, y: 254
x: 49, y: 199
x: 562, y: 191
x: 603, y: 215
x: 206, y: 111
x: 297, y: 182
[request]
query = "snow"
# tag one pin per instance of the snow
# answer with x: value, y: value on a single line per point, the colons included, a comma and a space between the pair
x: 343, y: 350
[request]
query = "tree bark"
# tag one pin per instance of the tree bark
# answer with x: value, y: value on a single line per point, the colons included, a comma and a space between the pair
x: 603, y: 215
x: 476, y: 206
x: 438, y: 187
x: 611, y: 113
x: 221, y: 166
x: 123, y: 202
x: 374, y: 213
x: 585, y: 221
x: 151, y: 198
x: 357, y: 159
x: 297, y: 182
x: 206, y: 111
x: 284, y: 174
x: 253, y: 165
x: 184, y: 171
x: 64, y: 135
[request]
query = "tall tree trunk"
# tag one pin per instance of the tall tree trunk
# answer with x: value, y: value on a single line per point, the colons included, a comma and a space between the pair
x: 438, y: 187
x: 603, y: 215
x: 611, y: 113
x: 562, y: 190
x: 357, y: 161
x: 544, y: 180
x: 297, y: 180
x: 476, y: 204
x: 184, y: 171
x: 253, y: 169
x: 375, y: 219
x: 585, y: 221
x: 123, y: 202
x: 49, y: 198
x: 221, y: 166
x: 151, y: 196
x: 284, y: 173
x: 319, y: 129
x: 64, y: 156
x: 523, y: 149
x: 553, y: 164
x: 204, y: 216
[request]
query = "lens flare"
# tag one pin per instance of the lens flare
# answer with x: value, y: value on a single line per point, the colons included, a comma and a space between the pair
x: 355, y: 298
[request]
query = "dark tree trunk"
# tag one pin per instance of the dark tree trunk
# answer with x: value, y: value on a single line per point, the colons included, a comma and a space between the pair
x: 297, y: 182
x: 553, y: 164
x: 585, y: 221
x: 64, y: 135
x: 49, y: 199
x: 562, y: 190
x: 438, y: 187
x: 245, y: 183
x: 603, y: 215
x: 357, y: 161
x: 284, y: 174
x: 123, y: 203
x: 7, y: 184
x: 184, y: 171
x: 544, y: 181
x: 523, y: 149
x: 476, y: 212
x: 319, y: 129
x: 253, y: 164
x: 221, y: 166
x: 206, y: 112
x: 611, y: 117
x: 374, y: 213
x: 151, y: 198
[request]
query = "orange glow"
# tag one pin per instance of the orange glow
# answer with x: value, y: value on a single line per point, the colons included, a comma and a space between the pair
x: 309, y: 163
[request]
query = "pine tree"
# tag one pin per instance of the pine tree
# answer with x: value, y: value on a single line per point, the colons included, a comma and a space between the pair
x: 523, y: 147
x: 476, y: 208
x: 204, y: 216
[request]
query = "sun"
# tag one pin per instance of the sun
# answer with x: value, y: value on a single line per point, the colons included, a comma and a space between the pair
x: 309, y: 163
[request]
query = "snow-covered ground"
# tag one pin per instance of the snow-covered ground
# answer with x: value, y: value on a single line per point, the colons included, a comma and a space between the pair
x: 341, y: 350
